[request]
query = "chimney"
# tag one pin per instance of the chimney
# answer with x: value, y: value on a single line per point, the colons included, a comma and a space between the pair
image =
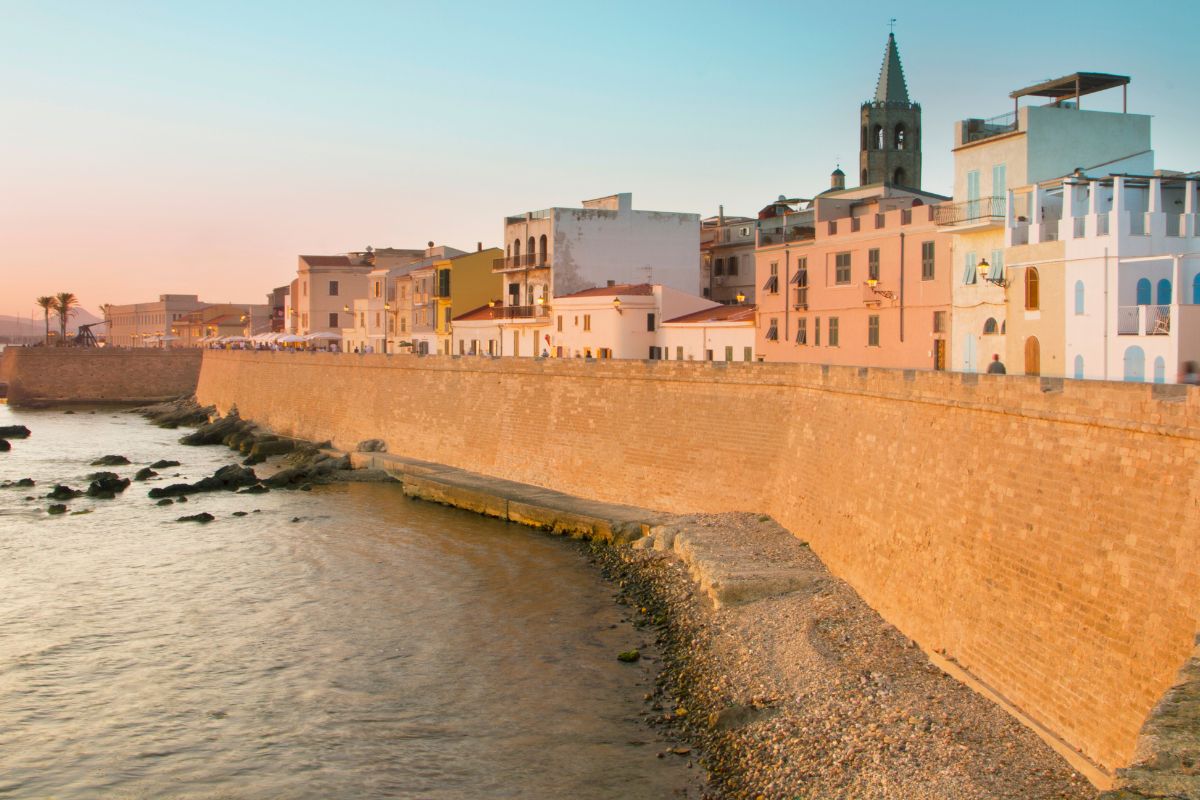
x: 479, y: 247
x: 612, y: 283
x: 721, y: 215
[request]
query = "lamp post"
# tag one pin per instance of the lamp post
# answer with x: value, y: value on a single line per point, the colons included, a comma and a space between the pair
x: 740, y: 297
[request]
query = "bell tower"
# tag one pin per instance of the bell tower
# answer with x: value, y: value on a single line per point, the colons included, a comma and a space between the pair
x: 890, y: 148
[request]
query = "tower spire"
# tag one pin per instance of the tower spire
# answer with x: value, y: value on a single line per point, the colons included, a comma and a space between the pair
x: 891, y: 87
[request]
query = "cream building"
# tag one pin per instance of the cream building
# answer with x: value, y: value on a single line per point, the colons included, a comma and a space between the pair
x: 144, y: 324
x: 1029, y: 145
x: 720, y: 333
x: 727, y: 258
x: 324, y: 287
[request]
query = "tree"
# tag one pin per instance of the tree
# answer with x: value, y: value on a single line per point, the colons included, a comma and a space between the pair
x: 47, y: 304
x: 65, y: 305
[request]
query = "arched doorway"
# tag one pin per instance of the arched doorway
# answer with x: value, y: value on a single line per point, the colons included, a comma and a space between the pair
x: 1160, y: 370
x: 1163, y: 292
x: 1143, y: 292
x: 1033, y: 356
x: 1078, y: 367
x: 1135, y: 364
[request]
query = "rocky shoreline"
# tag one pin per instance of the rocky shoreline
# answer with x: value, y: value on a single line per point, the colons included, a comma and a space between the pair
x: 809, y: 693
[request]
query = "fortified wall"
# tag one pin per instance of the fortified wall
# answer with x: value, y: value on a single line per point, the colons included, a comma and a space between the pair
x: 1043, y: 535
x: 110, y: 374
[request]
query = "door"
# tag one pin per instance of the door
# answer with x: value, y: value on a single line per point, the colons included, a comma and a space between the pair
x: 516, y: 343
x: 968, y: 353
x: 939, y: 353
x: 1033, y: 356
x: 973, y: 194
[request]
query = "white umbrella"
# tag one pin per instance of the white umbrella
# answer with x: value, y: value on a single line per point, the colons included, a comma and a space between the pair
x: 323, y: 336
x: 233, y: 339
x: 290, y: 338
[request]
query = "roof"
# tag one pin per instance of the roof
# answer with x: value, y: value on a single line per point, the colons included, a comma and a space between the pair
x: 612, y: 291
x: 482, y: 313
x: 730, y: 313
x: 326, y: 261
x: 891, y: 87
x: 1074, y: 85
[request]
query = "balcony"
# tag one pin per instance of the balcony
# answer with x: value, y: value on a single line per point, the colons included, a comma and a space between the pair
x: 986, y: 212
x: 974, y: 130
x: 1144, y: 320
x: 794, y: 234
x: 521, y: 313
x: 521, y: 262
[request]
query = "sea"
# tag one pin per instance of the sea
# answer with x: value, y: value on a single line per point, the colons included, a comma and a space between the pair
x: 345, y: 642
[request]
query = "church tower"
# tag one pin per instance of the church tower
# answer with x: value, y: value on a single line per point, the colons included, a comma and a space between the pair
x: 890, y: 151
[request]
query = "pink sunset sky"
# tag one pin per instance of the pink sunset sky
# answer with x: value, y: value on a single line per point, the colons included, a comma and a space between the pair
x: 198, y: 148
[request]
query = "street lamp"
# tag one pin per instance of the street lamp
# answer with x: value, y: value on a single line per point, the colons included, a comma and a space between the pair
x: 740, y: 297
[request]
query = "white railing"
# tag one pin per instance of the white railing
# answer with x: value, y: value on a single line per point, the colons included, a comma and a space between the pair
x: 1102, y: 224
x: 1144, y: 320
x: 1080, y: 224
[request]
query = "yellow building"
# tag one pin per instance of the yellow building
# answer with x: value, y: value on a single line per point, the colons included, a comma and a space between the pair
x: 463, y: 282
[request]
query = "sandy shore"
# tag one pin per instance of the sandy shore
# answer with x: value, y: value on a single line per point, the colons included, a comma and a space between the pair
x: 809, y: 693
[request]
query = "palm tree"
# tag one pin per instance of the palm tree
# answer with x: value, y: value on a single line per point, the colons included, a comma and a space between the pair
x: 65, y: 304
x: 47, y: 304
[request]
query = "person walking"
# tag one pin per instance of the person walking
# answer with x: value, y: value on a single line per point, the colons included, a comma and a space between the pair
x: 997, y: 366
x: 1190, y: 375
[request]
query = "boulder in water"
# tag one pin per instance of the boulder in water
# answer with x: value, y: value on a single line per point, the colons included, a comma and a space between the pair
x: 145, y: 473
x: 166, y: 501
x: 63, y: 492
x: 5, y: 445
x: 107, y: 486
x: 14, y: 432
x: 164, y: 464
x: 203, y: 516
x: 110, y: 461
x: 56, y: 508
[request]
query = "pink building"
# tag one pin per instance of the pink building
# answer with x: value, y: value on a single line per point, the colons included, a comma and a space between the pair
x: 860, y: 277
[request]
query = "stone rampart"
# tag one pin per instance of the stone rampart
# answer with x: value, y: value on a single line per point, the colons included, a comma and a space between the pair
x: 1042, y: 535
x: 53, y: 375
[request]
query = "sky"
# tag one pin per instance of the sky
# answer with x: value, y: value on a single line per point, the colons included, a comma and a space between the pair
x: 198, y: 148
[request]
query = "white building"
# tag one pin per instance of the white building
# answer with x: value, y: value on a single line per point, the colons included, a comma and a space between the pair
x: 1029, y: 145
x: 1131, y: 266
x: 617, y: 320
x: 721, y: 333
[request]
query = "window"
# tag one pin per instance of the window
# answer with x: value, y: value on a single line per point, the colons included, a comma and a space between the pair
x: 833, y: 331
x: 800, y: 280
x: 927, y: 261
x: 1163, y: 290
x: 873, y: 330
x: 377, y: 288
x: 744, y: 232
x: 772, y: 284
x: 679, y: 352
x: 655, y: 353
x: 733, y: 265
x: 333, y: 319
x: 900, y: 136
x: 802, y: 331
x: 403, y: 324
x: 304, y: 286
x: 841, y: 268
x: 650, y: 322
x: 443, y: 283
x: 989, y: 326
x: 1143, y: 292
x: 377, y: 322
x: 719, y: 267
x: 817, y: 332
x: 1079, y: 297
x: 447, y: 316
x: 873, y: 264
x: 333, y: 288
x: 560, y: 323
x: 747, y: 353
x: 729, y: 352
x: 708, y: 355
x: 1032, y: 296
x: 996, y: 273
x: 1078, y: 367
x: 969, y: 264
x: 773, y: 330
x: 587, y: 322
x: 939, y: 322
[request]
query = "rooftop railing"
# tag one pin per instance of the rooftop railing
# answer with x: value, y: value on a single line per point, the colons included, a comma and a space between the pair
x: 977, y: 129
x: 793, y: 234
x: 984, y: 209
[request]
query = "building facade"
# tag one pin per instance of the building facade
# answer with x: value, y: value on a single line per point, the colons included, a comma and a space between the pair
x: 727, y: 258
x: 324, y: 289
x: 143, y: 324
x: 890, y: 136
x: 720, y: 333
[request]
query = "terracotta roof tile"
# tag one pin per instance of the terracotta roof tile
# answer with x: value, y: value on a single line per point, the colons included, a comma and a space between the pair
x: 326, y: 261
x: 731, y: 313
x: 613, y: 291
x: 481, y: 313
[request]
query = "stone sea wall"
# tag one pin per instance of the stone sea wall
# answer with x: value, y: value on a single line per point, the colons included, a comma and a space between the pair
x: 35, y: 375
x: 1042, y: 535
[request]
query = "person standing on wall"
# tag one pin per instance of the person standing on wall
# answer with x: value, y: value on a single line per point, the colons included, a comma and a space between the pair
x: 997, y: 366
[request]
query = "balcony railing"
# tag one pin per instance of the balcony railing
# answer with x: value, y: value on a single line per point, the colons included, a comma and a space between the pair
x: 793, y: 234
x: 1144, y: 320
x: 520, y: 312
x: 976, y: 129
x: 985, y: 209
x: 1102, y: 224
x: 524, y: 261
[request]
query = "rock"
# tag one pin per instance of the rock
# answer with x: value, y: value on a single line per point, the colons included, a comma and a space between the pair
x: 5, y: 445
x: 274, y: 447
x: 166, y: 501
x: 629, y: 656
x: 23, y: 482
x: 239, y: 513
x: 107, y: 486
x: 173, y: 490
x: 102, y: 476
x: 56, y: 508
x: 110, y: 461
x: 164, y: 464
x: 63, y: 492
x: 203, y: 516
x: 215, y: 432
x: 372, y: 446
x: 145, y: 473
x: 14, y: 432
x: 81, y: 511
x: 230, y: 478
x: 184, y: 411
x: 181, y: 499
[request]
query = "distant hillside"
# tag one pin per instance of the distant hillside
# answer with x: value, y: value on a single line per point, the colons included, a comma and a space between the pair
x: 23, y: 327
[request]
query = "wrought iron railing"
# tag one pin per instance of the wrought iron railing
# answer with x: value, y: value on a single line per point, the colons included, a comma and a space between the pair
x: 985, y: 208
x: 523, y: 261
x: 520, y: 312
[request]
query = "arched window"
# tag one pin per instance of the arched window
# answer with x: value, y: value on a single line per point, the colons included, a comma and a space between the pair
x: 1033, y: 356
x: 1163, y: 292
x: 1196, y: 289
x: 898, y: 177
x: 1078, y: 367
x: 899, y: 136
x: 532, y: 251
x: 1032, y: 295
x: 516, y: 250
x: 989, y: 326
x: 1078, y: 297
x: 877, y: 136
x: 1160, y: 370
x: 1135, y: 364
x: 542, y: 249
x: 1003, y: 327
x: 1143, y: 292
